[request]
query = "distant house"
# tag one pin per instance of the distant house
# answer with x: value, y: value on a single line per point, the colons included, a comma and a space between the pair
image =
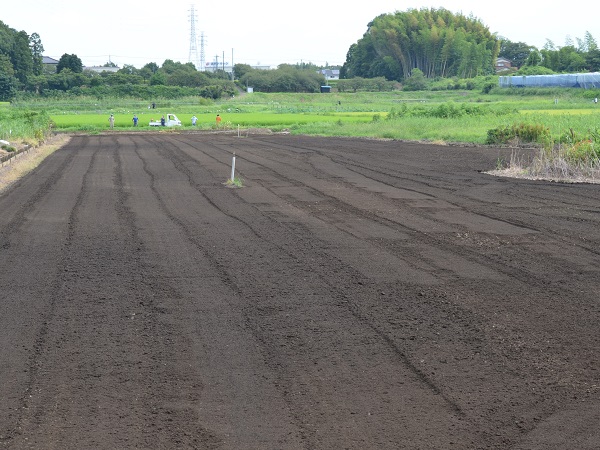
x: 330, y: 74
x: 49, y: 64
x: 503, y: 64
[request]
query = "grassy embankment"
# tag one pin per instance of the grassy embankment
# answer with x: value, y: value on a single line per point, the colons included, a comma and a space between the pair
x: 24, y: 130
x: 23, y: 124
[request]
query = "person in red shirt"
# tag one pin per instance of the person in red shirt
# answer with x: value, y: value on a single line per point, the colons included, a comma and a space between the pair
x: 218, y: 120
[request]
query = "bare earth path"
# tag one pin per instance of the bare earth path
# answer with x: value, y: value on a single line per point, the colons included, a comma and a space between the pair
x: 354, y: 294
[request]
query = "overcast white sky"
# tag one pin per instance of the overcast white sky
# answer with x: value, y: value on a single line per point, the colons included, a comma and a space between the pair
x: 264, y: 31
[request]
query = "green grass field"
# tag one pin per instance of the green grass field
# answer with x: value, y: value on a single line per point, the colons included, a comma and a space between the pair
x: 90, y: 122
x: 339, y: 114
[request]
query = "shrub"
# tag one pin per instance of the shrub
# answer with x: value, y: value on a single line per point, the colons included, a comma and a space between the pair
x: 448, y: 110
x: 524, y: 132
x: 488, y: 88
x: 582, y: 151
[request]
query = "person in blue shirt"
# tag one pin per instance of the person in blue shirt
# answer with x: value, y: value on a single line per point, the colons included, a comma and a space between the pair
x: 135, y: 120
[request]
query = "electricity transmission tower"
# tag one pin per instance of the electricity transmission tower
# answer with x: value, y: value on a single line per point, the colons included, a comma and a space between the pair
x: 202, y: 56
x: 193, y: 41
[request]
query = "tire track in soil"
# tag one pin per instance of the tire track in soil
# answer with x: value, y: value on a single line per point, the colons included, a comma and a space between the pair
x: 239, y: 437
x: 325, y: 276
x: 514, y: 271
x: 359, y: 313
x: 18, y: 216
x: 376, y: 174
x: 183, y: 162
x: 26, y: 413
x: 510, y: 385
x: 438, y: 241
x: 177, y: 418
x: 137, y: 406
x: 217, y: 265
x: 173, y: 412
x: 15, y: 228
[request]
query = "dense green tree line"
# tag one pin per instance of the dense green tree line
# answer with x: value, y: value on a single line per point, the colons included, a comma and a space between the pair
x: 22, y: 73
x: 580, y: 56
x: 436, y: 41
x: 286, y: 78
x: 416, y: 48
x: 20, y: 58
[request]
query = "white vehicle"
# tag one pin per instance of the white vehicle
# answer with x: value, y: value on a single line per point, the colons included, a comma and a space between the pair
x: 171, y: 120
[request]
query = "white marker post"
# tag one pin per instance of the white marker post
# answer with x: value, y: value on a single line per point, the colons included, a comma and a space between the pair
x: 233, y: 167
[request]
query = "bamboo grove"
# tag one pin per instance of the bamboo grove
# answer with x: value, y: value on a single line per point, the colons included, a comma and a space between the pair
x: 436, y: 41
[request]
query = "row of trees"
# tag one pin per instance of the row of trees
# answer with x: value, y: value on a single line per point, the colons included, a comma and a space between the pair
x: 436, y: 41
x: 582, y: 55
x: 286, y: 78
x: 20, y: 58
x: 22, y: 72
x: 174, y: 80
x: 408, y: 47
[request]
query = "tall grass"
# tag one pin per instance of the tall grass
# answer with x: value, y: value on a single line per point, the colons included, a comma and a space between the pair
x: 24, y: 124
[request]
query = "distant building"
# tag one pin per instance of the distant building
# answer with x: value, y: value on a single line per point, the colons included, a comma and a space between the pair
x: 503, y: 64
x: 213, y: 66
x: 330, y: 74
x: 49, y: 64
x: 100, y: 69
x: 49, y: 61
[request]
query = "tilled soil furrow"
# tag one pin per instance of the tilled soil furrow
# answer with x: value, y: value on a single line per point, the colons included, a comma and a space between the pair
x: 282, y: 243
x: 352, y: 294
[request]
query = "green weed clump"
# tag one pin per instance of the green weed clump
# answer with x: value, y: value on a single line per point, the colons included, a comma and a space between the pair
x: 235, y: 183
x: 8, y: 148
x: 584, y: 150
x: 521, y: 132
x: 447, y: 110
x: 570, y: 159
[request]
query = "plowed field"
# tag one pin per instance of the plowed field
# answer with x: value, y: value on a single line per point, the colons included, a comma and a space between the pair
x: 353, y: 294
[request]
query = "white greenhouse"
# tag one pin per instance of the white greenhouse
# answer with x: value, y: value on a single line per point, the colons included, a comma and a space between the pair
x: 576, y: 80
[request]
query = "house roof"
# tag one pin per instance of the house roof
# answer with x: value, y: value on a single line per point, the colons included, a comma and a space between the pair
x: 48, y: 60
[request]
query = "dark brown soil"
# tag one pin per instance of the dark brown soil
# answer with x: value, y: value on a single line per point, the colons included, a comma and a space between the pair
x: 354, y: 294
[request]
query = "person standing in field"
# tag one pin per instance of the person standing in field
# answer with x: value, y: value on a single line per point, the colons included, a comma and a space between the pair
x: 111, y: 121
x: 135, y: 120
x: 218, y: 120
x: 162, y: 121
x: 194, y: 120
